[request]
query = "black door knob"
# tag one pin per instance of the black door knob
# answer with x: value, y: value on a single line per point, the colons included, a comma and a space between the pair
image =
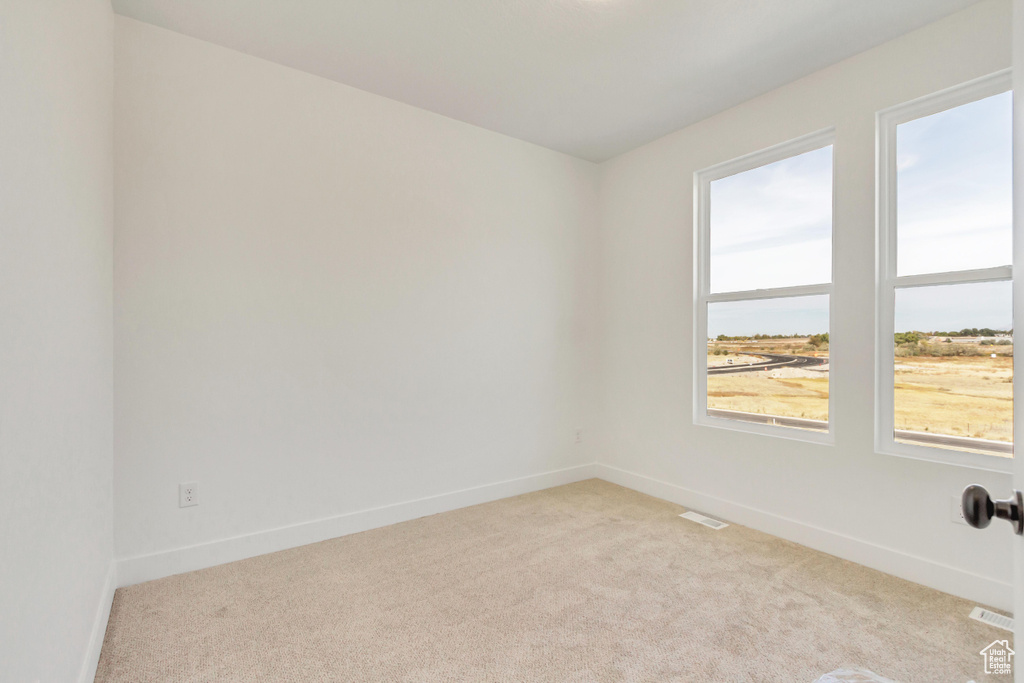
x: 979, y: 508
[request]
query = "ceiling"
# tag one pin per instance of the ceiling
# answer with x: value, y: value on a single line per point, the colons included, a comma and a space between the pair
x: 592, y: 78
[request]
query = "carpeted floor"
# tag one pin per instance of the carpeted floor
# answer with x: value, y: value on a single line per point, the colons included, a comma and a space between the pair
x: 586, y: 582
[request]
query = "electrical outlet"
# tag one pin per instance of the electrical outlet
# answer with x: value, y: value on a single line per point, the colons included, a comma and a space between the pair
x: 579, y: 436
x: 188, y: 494
x: 956, y: 515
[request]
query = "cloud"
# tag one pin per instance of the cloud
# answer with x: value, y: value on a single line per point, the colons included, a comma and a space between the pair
x: 906, y: 161
x: 763, y: 221
x: 955, y: 205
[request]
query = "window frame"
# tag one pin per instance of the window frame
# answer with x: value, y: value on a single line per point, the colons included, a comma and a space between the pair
x: 888, y: 281
x: 702, y: 283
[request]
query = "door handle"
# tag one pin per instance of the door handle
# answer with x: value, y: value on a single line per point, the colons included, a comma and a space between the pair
x: 979, y: 508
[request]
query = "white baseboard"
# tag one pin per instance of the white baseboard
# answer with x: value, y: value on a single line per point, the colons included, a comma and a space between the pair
x: 981, y: 589
x: 134, y: 570
x: 99, y: 626
x: 129, y: 571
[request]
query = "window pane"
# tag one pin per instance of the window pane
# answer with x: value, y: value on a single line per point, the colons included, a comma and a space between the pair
x: 954, y: 188
x: 954, y: 367
x: 771, y: 226
x: 768, y: 361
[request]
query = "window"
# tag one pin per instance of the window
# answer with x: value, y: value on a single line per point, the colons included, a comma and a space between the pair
x: 945, y: 329
x: 763, y: 289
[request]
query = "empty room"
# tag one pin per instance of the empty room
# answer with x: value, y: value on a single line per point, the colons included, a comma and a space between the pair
x: 510, y: 340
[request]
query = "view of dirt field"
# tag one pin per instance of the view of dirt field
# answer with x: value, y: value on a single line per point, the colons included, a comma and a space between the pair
x: 792, y: 346
x: 969, y: 395
x: 780, y: 391
x: 771, y: 393
x: 943, y: 386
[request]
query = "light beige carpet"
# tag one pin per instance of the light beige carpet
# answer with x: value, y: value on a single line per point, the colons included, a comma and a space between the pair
x: 586, y: 582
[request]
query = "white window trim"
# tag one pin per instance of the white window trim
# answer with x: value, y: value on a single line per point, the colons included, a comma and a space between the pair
x: 887, y: 281
x: 702, y: 284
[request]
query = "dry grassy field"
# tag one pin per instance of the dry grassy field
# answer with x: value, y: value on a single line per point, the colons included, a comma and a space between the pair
x: 969, y: 395
x: 793, y: 346
x: 962, y: 396
x: 770, y: 394
x: 783, y: 392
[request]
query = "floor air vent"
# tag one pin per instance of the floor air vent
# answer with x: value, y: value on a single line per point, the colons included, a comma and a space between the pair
x: 992, y: 619
x: 701, y: 519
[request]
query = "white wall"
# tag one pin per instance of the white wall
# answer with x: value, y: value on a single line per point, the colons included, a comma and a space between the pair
x: 56, y: 216
x: 888, y: 512
x: 327, y: 301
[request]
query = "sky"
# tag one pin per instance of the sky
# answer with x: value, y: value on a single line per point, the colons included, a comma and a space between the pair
x: 772, y: 227
x: 798, y: 314
x: 955, y: 184
x: 953, y: 307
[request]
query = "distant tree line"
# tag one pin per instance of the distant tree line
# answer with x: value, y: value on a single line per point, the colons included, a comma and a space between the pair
x: 966, y: 332
x: 916, y: 343
x: 815, y: 342
x: 901, y: 337
x: 908, y: 337
x: 759, y: 337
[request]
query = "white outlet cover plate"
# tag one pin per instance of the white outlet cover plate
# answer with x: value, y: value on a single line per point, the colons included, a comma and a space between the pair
x: 956, y: 515
x: 188, y: 494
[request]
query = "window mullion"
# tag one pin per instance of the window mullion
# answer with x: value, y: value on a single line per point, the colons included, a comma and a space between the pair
x: 954, y: 277
x: 774, y: 293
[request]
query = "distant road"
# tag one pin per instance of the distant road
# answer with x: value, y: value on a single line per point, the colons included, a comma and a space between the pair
x: 774, y: 361
x: 923, y: 438
x: 964, y: 442
x: 798, y: 422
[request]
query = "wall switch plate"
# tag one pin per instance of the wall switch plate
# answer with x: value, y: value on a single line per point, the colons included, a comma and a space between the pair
x: 956, y: 515
x: 188, y: 494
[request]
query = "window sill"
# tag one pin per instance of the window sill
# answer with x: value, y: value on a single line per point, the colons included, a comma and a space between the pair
x: 776, y: 430
x: 944, y: 456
